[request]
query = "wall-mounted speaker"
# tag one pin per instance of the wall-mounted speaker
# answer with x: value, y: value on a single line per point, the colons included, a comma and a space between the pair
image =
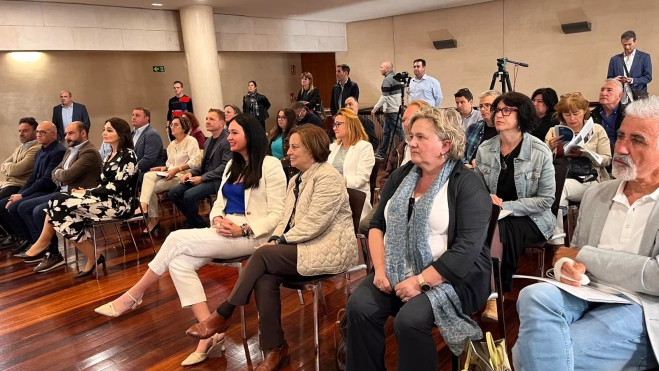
x: 445, y: 44
x: 576, y: 27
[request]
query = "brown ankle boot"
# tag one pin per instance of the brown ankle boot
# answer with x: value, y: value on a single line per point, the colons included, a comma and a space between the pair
x: 490, y: 312
x: 275, y: 358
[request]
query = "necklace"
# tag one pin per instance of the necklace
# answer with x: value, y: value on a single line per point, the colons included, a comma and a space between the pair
x: 504, y: 166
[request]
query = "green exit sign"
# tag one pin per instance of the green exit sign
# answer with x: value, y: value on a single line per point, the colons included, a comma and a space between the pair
x: 158, y: 68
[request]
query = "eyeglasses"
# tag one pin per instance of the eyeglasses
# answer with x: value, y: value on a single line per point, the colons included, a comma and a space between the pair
x: 336, y: 124
x: 42, y: 132
x: 486, y: 105
x: 175, y: 125
x: 505, y: 111
x: 574, y: 94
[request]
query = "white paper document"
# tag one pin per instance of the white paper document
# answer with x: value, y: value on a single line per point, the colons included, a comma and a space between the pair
x: 504, y: 213
x: 587, y: 293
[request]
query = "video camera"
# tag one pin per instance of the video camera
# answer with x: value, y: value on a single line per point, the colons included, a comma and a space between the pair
x: 403, y: 77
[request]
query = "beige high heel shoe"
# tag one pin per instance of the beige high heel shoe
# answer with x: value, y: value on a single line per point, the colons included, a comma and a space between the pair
x: 108, y: 309
x: 195, y: 357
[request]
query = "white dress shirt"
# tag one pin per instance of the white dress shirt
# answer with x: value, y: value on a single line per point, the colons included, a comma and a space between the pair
x: 623, y: 229
x: 629, y: 60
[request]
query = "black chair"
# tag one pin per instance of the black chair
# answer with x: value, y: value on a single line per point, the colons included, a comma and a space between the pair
x: 372, y: 181
x: 356, y: 200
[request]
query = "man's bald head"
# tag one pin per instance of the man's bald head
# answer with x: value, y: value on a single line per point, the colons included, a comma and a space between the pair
x: 352, y: 104
x: 46, y: 133
x: 385, y: 67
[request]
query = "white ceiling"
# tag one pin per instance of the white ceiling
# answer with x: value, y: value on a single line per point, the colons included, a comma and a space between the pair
x: 318, y: 10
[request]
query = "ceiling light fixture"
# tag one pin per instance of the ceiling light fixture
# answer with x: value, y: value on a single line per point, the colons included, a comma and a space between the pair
x: 156, y: 4
x: 26, y: 57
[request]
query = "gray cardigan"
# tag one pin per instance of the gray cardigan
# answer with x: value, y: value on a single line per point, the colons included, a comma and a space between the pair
x: 636, y: 273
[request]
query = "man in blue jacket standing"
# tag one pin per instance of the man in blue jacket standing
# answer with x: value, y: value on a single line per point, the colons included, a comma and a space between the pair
x: 632, y: 68
x: 67, y: 112
x: 39, y: 184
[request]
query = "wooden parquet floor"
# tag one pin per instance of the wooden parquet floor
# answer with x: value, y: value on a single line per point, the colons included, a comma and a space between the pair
x: 47, y: 321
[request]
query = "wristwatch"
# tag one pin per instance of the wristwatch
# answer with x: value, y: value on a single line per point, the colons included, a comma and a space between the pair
x: 425, y: 286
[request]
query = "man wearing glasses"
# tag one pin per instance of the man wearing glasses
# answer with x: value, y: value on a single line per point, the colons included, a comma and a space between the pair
x: 303, y: 115
x: 483, y: 129
x: 39, y: 184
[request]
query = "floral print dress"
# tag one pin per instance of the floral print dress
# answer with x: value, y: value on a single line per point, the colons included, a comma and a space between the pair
x: 70, y: 214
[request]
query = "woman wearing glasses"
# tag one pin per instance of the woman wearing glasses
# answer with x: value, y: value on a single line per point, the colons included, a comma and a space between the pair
x: 352, y: 155
x: 572, y: 111
x: 518, y: 171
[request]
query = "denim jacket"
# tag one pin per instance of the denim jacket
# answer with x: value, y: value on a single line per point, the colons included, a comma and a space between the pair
x: 534, y: 179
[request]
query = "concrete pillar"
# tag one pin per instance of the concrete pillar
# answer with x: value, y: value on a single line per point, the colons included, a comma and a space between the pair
x: 203, y: 63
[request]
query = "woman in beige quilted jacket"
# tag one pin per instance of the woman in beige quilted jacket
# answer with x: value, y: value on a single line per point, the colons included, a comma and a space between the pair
x: 315, y: 237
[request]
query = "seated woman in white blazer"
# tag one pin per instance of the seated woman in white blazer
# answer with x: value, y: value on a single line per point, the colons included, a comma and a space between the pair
x: 250, y: 204
x: 352, y: 155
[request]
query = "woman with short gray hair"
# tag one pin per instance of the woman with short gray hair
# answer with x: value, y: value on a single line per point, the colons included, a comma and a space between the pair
x: 427, y: 241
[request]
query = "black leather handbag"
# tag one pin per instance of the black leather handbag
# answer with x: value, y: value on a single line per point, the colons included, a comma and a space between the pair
x: 578, y: 168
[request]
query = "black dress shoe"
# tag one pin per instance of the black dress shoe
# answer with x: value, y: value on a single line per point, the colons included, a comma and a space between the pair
x: 154, y: 231
x: 34, y: 259
x: 8, y: 241
x: 20, y: 247
x: 101, y: 260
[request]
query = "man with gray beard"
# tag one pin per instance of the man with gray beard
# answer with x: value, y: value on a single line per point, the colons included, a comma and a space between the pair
x: 616, y: 245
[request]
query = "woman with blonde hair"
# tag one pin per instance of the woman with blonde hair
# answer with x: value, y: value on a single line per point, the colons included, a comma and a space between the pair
x: 428, y: 245
x: 572, y: 111
x: 352, y: 155
x: 309, y: 95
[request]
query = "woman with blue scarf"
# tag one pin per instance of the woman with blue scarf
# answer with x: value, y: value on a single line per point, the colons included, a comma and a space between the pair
x: 427, y: 242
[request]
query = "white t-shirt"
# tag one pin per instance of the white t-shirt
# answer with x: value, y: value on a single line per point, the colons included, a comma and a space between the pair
x: 438, y: 228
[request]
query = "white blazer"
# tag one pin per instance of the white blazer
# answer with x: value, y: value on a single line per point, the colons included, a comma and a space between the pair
x: 264, y: 206
x: 357, y: 167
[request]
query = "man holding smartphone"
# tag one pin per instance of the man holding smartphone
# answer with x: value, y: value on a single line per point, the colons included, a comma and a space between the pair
x: 633, y: 68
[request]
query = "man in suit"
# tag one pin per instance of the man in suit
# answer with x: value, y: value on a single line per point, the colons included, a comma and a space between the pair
x: 204, y: 181
x: 616, y: 244
x: 40, y: 183
x: 80, y: 168
x: 67, y: 112
x: 632, y: 68
x: 147, y: 141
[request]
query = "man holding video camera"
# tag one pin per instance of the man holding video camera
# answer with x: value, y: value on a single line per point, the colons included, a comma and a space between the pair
x: 390, y: 102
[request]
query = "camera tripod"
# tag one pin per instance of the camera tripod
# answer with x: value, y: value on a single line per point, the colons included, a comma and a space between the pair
x: 503, y: 75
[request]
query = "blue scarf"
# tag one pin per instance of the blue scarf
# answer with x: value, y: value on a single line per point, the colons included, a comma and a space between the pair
x: 407, y: 242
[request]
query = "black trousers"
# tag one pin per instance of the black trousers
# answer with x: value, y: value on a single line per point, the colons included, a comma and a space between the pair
x: 515, y: 233
x: 264, y: 272
x: 368, y: 310
x: 5, y: 193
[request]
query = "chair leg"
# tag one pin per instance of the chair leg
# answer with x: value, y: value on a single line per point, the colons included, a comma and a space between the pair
x: 105, y: 238
x: 153, y: 246
x: 299, y: 294
x: 455, y: 362
x: 315, y: 293
x: 120, y: 238
x: 76, y: 252
x: 243, y: 330
x: 134, y: 242
x: 542, y: 263
x: 322, y: 295
x: 95, y: 250
x: 496, y: 266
